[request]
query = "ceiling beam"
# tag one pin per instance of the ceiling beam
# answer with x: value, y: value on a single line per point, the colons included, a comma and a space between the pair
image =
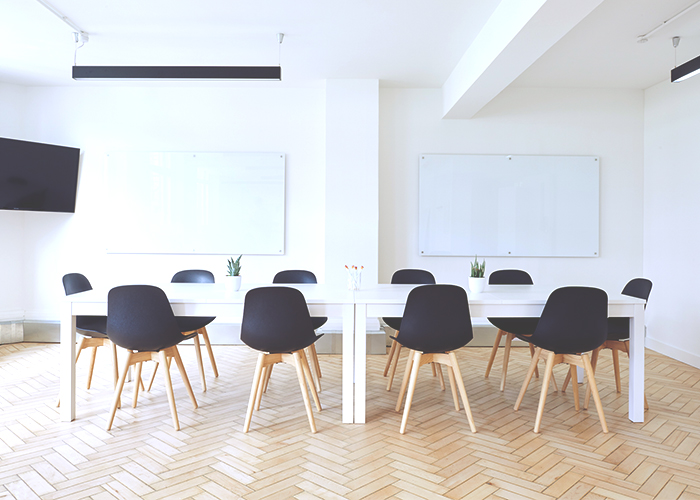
x: 514, y: 37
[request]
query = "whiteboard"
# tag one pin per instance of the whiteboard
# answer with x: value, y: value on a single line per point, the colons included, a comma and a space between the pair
x: 195, y: 203
x: 509, y: 205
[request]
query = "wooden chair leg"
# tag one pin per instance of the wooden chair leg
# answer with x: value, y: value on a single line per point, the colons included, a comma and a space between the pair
x: 438, y: 369
x: 137, y: 385
x: 262, y: 385
x: 462, y: 390
x: 93, y: 355
x: 205, y: 336
x: 528, y: 377
x: 312, y: 348
x: 302, y: 385
x: 254, y: 391
x: 506, y: 357
x: 307, y: 373
x: 118, y: 390
x: 268, y: 374
x: 411, y: 389
x: 200, y: 364
x: 153, y: 376
x: 313, y: 361
x: 397, y: 354
x: 169, y: 390
x: 594, y: 389
x: 594, y: 364
x: 532, y: 353
x: 494, y: 350
x: 404, y: 383
x: 81, y: 346
x: 571, y: 374
x: 545, y: 387
x: 567, y: 379
x: 453, y: 387
x: 390, y: 357
x: 181, y: 368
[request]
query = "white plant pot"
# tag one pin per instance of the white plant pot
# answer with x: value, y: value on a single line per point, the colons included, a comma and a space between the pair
x: 233, y: 283
x: 477, y: 285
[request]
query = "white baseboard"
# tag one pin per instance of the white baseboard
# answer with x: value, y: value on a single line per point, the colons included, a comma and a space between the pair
x: 673, y: 352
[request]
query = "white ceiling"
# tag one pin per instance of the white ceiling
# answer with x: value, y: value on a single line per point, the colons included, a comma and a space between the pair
x: 403, y: 43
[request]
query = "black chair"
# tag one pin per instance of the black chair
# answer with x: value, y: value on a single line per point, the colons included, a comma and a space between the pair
x: 619, y: 335
x: 92, y: 328
x: 574, y: 322
x: 404, y: 277
x: 512, y: 328
x: 140, y: 319
x: 301, y: 276
x: 435, y: 323
x: 197, y: 324
x: 277, y: 323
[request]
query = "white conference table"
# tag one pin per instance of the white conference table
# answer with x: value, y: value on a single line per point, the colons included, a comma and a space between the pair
x: 504, y: 300
x: 195, y: 299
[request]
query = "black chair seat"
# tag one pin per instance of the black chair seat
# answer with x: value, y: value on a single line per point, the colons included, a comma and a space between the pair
x: 394, y: 323
x: 318, y: 321
x: 618, y: 329
x: 92, y: 326
x: 192, y: 323
x: 520, y: 327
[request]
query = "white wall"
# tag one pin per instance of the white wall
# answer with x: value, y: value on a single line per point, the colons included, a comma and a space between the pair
x: 604, y: 123
x: 671, y: 215
x: 12, y: 122
x: 101, y: 119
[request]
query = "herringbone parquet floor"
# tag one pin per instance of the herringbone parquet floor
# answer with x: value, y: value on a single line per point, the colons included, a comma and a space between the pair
x: 438, y: 457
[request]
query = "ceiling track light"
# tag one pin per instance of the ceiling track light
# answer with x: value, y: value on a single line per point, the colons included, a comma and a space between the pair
x: 645, y: 37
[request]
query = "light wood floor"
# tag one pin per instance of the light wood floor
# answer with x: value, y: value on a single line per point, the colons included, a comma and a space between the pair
x: 438, y: 457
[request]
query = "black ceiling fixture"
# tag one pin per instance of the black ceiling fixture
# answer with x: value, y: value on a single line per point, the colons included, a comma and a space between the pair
x: 177, y: 73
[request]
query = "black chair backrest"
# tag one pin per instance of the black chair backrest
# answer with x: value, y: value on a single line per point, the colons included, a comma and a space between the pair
x: 139, y: 317
x: 638, y: 287
x: 436, y: 319
x: 276, y: 319
x: 510, y: 277
x: 574, y: 320
x: 193, y: 276
x: 75, y: 283
x: 294, y: 276
x: 413, y: 277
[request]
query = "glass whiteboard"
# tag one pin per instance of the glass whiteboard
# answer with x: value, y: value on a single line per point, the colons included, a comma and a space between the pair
x: 196, y: 203
x: 509, y: 205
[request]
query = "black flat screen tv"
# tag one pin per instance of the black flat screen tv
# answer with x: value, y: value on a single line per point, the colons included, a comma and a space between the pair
x: 38, y: 177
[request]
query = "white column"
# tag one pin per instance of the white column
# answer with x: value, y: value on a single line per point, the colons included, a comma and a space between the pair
x: 352, y: 179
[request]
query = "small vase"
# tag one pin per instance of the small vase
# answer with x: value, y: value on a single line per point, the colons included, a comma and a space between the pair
x: 477, y: 285
x: 233, y: 283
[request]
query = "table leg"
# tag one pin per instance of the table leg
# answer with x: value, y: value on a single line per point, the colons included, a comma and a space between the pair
x: 348, y: 361
x: 636, y: 389
x: 67, y: 364
x: 360, y: 362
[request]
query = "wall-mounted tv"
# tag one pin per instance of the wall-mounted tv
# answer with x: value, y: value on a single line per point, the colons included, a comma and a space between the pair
x: 38, y: 177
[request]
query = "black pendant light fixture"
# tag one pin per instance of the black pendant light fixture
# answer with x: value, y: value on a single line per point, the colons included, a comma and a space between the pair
x: 177, y: 73
x: 685, y: 70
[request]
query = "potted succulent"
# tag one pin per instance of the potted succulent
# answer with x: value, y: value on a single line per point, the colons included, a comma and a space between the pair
x: 477, y: 281
x: 233, y: 274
